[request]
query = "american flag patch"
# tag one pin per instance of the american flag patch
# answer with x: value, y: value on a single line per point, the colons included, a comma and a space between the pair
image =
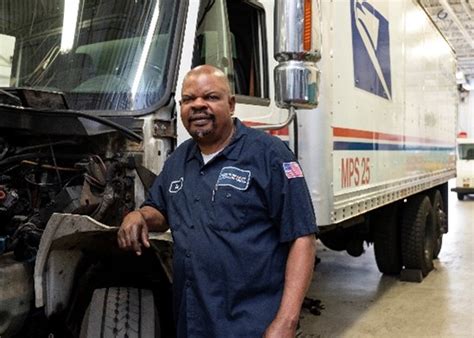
x: 292, y: 170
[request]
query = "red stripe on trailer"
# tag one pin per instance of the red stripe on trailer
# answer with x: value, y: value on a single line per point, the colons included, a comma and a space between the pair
x: 373, y: 135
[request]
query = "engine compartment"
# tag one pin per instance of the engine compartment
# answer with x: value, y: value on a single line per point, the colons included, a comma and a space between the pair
x: 41, y: 175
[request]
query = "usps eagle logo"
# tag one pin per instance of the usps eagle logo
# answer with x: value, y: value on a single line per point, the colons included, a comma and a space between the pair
x: 371, y: 49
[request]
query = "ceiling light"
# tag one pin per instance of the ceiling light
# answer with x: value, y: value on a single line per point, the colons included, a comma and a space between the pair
x: 71, y: 9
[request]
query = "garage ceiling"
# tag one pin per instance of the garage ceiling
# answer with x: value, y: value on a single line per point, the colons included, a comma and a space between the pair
x: 455, y: 18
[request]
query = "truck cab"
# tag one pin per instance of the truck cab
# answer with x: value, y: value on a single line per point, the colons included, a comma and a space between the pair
x: 464, y: 168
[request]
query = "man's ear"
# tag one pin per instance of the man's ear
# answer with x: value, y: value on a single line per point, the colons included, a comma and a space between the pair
x: 232, y: 104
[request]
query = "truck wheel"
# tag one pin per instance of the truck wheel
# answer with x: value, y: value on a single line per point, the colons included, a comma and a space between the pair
x: 418, y: 233
x: 121, y: 312
x: 441, y: 221
x: 460, y: 196
x: 334, y: 240
x: 387, y: 241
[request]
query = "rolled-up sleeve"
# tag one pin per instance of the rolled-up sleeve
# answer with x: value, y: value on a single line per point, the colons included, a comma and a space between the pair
x: 156, y: 197
x: 289, y: 200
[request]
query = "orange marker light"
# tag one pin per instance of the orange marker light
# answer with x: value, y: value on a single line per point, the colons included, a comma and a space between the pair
x: 307, y: 25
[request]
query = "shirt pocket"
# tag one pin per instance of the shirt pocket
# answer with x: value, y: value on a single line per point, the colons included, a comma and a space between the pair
x: 229, y: 208
x: 176, y: 214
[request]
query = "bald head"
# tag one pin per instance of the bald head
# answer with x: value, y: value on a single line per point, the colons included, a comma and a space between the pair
x: 207, y: 70
x: 207, y: 106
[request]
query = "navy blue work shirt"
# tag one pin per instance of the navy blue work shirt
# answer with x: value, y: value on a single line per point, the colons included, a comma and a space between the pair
x: 232, y: 220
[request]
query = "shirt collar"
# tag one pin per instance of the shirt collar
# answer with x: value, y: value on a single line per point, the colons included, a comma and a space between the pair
x: 231, y: 151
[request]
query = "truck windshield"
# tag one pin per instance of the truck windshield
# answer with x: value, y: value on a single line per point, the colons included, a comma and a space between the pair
x: 104, y: 55
x: 466, y: 151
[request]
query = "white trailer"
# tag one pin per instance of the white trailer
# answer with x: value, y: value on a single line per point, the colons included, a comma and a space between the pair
x: 380, y: 148
x: 382, y: 140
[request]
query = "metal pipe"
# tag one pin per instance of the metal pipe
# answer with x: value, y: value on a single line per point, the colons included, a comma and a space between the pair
x: 291, y: 117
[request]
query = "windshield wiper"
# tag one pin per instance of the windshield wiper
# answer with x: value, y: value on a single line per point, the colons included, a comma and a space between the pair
x: 124, y: 130
x: 9, y: 98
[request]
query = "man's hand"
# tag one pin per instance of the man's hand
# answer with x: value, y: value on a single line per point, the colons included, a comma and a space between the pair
x: 280, y: 328
x: 299, y: 270
x: 133, y: 233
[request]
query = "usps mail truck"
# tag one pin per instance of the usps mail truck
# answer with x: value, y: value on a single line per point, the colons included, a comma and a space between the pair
x: 464, y: 168
x: 363, y: 92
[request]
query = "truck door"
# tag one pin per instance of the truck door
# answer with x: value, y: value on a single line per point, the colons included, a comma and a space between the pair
x: 230, y: 36
x: 233, y: 36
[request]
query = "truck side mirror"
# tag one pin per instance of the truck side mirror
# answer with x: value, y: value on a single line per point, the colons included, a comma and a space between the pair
x: 297, y: 49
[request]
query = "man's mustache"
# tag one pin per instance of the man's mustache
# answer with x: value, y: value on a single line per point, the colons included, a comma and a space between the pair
x: 200, y: 114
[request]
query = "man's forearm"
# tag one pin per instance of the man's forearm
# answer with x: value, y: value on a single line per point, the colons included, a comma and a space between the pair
x: 299, y: 271
x: 154, y: 219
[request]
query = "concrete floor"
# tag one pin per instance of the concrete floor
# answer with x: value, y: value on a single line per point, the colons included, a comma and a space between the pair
x: 361, y: 302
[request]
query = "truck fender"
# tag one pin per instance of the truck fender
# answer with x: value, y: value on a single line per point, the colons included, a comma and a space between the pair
x: 58, y: 255
x: 60, y: 251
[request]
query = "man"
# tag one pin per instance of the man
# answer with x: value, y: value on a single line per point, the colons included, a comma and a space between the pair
x: 241, y: 217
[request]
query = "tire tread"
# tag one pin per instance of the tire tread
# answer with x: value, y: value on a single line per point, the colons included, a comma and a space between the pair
x: 415, y: 215
x: 120, y: 312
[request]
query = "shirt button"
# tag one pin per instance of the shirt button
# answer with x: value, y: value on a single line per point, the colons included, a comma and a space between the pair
x: 202, y: 172
x: 188, y: 283
x: 188, y: 254
x: 192, y: 226
x: 196, y: 199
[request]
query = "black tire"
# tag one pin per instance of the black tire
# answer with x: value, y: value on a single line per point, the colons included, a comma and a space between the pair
x: 387, y: 241
x: 121, y: 312
x: 355, y: 247
x: 334, y: 240
x: 460, y: 196
x: 417, y: 234
x: 441, y: 221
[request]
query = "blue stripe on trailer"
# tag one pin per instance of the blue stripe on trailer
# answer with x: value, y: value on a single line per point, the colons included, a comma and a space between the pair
x: 338, y: 145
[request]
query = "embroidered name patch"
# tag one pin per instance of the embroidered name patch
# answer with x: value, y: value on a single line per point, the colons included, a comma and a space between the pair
x: 234, y: 177
x: 292, y: 170
x: 176, y: 186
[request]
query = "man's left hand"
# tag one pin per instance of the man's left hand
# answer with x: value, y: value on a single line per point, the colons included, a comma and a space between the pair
x: 299, y: 269
x: 280, y: 329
